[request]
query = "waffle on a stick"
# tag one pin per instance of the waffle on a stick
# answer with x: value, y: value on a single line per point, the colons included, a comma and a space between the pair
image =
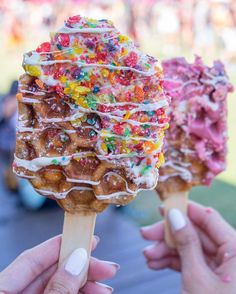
x: 91, y: 117
x: 195, y: 144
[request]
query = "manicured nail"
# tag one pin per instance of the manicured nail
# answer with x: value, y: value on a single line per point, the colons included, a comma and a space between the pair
x: 97, y: 238
x: 177, y: 219
x: 149, y: 247
x: 105, y: 286
x: 76, y: 262
x: 146, y: 251
x: 116, y: 265
x: 145, y: 228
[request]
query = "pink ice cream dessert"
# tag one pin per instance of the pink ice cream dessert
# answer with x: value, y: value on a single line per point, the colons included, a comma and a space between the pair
x: 195, y: 144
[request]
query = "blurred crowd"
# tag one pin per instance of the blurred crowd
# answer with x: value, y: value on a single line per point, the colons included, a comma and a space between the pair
x: 202, y: 25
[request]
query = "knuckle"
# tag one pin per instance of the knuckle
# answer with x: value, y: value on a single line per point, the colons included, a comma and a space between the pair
x: 42, y: 282
x: 187, y: 239
x: 34, y: 264
x: 31, y: 262
x: 57, y: 287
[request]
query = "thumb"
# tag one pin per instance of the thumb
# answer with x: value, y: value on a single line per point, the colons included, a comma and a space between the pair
x: 187, y: 243
x: 69, y: 277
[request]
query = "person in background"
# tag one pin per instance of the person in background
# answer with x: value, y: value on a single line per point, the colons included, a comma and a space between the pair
x: 8, y: 117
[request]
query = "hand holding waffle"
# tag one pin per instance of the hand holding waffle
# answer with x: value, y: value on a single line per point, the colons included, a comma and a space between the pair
x: 205, y: 250
x: 35, y: 271
x: 91, y: 123
x: 195, y: 144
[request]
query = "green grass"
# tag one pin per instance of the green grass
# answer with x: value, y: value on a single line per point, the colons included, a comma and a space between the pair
x: 221, y: 196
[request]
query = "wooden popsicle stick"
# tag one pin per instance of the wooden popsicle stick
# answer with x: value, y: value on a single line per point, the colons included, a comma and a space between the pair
x: 78, y: 230
x: 177, y: 200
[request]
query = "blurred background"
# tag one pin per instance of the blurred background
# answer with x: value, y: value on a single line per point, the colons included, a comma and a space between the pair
x: 164, y: 29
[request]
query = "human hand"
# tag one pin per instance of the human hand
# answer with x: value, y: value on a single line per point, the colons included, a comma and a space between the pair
x: 35, y: 271
x: 206, y: 250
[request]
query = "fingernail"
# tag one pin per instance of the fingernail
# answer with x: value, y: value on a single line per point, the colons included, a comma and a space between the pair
x: 76, y: 262
x: 149, y: 247
x: 116, y: 265
x: 97, y: 238
x: 105, y: 286
x: 177, y: 219
x: 144, y: 228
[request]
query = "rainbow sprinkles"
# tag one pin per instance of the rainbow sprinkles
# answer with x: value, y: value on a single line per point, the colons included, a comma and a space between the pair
x: 94, y: 97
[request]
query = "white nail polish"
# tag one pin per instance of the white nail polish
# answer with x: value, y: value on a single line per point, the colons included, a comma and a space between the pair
x: 116, y: 265
x: 149, y: 247
x: 76, y: 262
x: 177, y: 219
x: 105, y: 286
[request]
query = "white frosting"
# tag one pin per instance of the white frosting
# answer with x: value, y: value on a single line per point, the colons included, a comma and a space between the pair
x: 67, y: 30
x: 49, y: 80
x: 62, y: 195
x: 113, y: 195
x: 30, y: 100
x: 83, y: 181
x: 149, y: 178
x: 181, y: 171
x: 23, y: 129
x: 81, y: 64
x: 30, y: 92
x: 116, y: 118
x: 40, y: 162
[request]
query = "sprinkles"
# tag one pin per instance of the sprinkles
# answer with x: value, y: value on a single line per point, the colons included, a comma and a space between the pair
x: 114, y: 93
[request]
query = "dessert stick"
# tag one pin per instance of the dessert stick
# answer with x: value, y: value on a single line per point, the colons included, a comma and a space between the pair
x: 178, y: 200
x: 84, y: 222
x: 92, y: 116
x: 195, y: 145
x: 78, y: 230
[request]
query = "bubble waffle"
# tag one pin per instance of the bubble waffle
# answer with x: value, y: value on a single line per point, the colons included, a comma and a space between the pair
x: 91, y: 117
x: 196, y: 141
